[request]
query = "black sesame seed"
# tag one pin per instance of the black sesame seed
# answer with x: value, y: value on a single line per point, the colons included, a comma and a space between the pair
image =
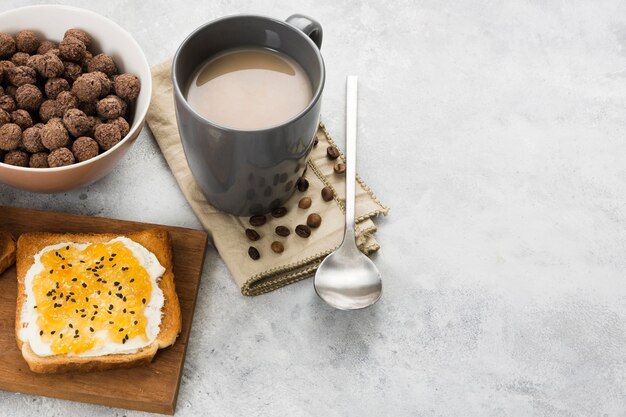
x: 72, y: 293
x: 99, y: 292
x: 40, y: 332
x: 76, y: 336
x: 99, y: 279
x: 83, y: 315
x: 110, y: 306
x: 109, y: 292
x: 88, y: 269
x: 73, y: 300
x: 135, y: 322
x: 86, y: 299
x: 53, y: 332
x: 96, y: 275
x: 74, y: 279
x: 126, y: 337
x: 114, y: 255
x: 143, y: 300
x: 91, y: 329
x: 116, y: 283
x: 132, y: 312
x: 76, y: 331
x: 61, y: 336
x: 54, y: 298
x: 70, y: 265
x: 52, y: 270
x: 67, y: 247
x: 110, y: 259
x: 35, y: 307
x: 62, y: 266
x: 119, y: 295
x: 132, y: 280
x: 84, y: 285
x: 95, y: 306
x: 71, y: 326
x: 93, y: 318
x: 111, y: 322
x: 124, y: 311
x: 123, y: 341
x: 121, y: 329
x: 124, y: 298
x: 81, y: 261
x: 113, y: 266
x: 119, y: 288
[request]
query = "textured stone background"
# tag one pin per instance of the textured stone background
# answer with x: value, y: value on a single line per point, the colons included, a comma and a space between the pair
x: 495, y: 131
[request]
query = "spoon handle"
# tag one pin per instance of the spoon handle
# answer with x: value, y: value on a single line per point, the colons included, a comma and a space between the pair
x: 351, y: 128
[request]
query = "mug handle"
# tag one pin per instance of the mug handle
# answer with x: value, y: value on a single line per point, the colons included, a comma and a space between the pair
x: 309, y: 26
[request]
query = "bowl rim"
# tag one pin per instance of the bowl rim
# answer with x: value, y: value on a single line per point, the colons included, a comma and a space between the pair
x: 140, y: 117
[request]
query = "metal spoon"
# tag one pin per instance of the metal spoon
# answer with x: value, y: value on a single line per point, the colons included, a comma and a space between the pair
x: 347, y: 279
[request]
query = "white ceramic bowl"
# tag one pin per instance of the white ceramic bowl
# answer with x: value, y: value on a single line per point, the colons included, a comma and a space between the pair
x: 51, y: 22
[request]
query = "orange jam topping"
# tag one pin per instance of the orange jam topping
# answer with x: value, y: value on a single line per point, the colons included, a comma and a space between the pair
x: 85, y: 298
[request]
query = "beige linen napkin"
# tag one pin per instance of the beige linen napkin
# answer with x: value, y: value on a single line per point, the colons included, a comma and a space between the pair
x: 301, y: 256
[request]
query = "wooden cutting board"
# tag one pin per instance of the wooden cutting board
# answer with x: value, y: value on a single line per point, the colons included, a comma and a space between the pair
x: 151, y: 388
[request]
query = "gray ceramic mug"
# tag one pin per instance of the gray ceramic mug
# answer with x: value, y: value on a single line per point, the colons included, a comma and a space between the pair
x: 246, y: 172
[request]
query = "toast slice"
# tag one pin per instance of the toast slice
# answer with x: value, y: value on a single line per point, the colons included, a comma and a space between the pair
x: 7, y: 250
x: 158, y: 242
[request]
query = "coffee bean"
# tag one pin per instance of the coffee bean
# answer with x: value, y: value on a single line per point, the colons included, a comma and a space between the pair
x: 339, y: 168
x: 277, y: 247
x: 254, y: 253
x: 332, y: 152
x: 279, y: 212
x: 282, y: 231
x: 314, y: 220
x: 303, y: 230
x: 327, y: 194
x: 302, y: 184
x: 252, y: 234
x: 304, y: 203
x: 258, y: 220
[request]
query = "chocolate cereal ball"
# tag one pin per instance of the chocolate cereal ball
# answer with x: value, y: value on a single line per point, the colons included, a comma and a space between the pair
x: 103, y: 63
x: 7, y: 103
x: 5, y: 117
x: 31, y: 139
x: 39, y: 160
x: 46, y: 46
x: 60, y: 157
x: 7, y: 45
x: 20, y: 58
x: 110, y: 107
x: 72, y: 49
x: 71, y: 70
x: 32, y: 61
x: 122, y: 125
x: 84, y: 148
x: 22, y: 119
x: 49, y: 65
x: 107, y: 135
x: 17, y: 158
x: 49, y: 109
x: 127, y: 86
x: 55, y: 85
x: 76, y: 122
x: 10, y: 136
x: 21, y: 75
x: 27, y: 41
x: 87, y: 87
x: 66, y: 101
x: 28, y: 97
x: 54, y: 135
x: 78, y: 34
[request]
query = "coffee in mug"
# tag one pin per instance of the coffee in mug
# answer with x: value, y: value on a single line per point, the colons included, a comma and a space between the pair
x: 249, y: 88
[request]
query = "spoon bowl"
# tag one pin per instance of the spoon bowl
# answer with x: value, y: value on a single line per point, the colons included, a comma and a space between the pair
x: 347, y: 279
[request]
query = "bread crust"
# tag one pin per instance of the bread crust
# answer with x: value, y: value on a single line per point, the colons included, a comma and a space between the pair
x: 157, y: 241
x: 7, y: 250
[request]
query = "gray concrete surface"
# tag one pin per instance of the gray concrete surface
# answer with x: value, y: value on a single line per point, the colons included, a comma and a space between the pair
x: 495, y: 131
